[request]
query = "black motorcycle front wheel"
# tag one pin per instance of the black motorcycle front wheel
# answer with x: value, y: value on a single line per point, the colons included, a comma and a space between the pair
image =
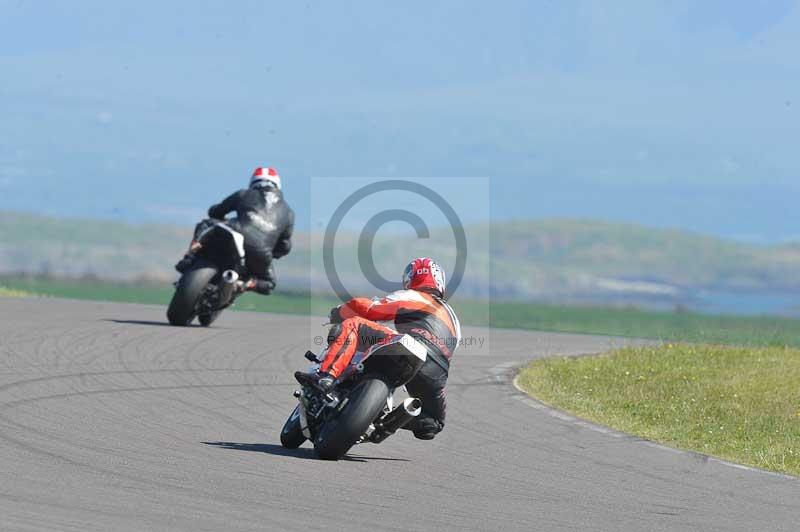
x: 291, y: 435
x: 181, y: 309
x: 364, y: 404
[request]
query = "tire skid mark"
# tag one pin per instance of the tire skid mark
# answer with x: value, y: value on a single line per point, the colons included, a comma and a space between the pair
x: 31, y: 400
x: 158, y: 391
x: 188, y: 359
x: 84, y: 374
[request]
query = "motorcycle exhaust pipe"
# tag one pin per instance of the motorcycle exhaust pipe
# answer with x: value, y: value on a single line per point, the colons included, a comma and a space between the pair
x: 396, y: 419
x: 229, y: 280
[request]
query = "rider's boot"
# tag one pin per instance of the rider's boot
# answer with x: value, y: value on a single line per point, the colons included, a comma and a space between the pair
x: 323, y: 381
x: 263, y: 287
x: 424, y: 428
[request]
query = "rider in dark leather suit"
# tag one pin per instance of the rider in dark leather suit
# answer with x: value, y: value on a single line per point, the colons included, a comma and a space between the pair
x: 265, y: 220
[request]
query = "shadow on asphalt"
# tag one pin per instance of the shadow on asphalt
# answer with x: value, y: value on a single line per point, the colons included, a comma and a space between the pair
x: 159, y: 324
x: 302, y: 453
x: 143, y: 322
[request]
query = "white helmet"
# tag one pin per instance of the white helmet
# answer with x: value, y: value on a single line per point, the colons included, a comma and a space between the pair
x: 262, y: 175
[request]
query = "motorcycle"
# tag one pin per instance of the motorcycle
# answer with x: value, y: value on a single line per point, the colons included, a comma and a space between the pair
x: 214, y: 280
x: 360, y: 407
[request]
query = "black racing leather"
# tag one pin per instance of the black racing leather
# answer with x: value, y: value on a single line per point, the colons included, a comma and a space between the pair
x: 265, y: 219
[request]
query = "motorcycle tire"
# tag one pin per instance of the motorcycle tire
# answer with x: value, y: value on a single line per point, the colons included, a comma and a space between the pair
x: 207, y: 319
x: 181, y: 310
x: 365, y: 403
x: 291, y: 435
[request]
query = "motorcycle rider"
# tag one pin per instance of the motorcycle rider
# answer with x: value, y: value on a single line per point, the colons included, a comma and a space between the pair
x: 418, y: 310
x: 265, y: 220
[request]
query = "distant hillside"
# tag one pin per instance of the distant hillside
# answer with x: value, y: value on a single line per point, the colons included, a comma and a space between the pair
x: 622, y: 253
x: 556, y: 260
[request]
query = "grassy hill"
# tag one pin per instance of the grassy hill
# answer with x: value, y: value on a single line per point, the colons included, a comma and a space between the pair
x: 631, y: 253
x: 549, y: 260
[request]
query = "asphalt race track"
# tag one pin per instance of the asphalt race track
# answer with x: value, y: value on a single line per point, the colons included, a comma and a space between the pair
x: 110, y: 420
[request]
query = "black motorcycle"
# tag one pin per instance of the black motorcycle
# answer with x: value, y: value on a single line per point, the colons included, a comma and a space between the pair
x: 360, y: 408
x: 214, y: 279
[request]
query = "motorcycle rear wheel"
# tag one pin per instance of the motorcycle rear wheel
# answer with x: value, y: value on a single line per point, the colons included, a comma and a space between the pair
x: 181, y: 310
x: 365, y: 403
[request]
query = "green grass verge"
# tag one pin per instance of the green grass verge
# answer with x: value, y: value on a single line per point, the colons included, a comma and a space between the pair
x: 636, y: 323
x: 739, y: 404
x: 157, y: 294
x: 11, y: 292
x: 685, y: 327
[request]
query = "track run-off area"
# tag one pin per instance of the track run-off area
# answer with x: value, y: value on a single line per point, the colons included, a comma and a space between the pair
x: 111, y: 420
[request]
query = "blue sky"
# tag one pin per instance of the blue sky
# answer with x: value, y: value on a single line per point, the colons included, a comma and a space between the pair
x: 680, y: 113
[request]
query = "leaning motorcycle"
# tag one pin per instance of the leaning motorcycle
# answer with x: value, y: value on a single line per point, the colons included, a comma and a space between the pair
x: 212, y: 282
x: 360, y: 408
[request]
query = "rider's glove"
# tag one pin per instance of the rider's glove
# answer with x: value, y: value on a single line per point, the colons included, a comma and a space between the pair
x: 335, y: 316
